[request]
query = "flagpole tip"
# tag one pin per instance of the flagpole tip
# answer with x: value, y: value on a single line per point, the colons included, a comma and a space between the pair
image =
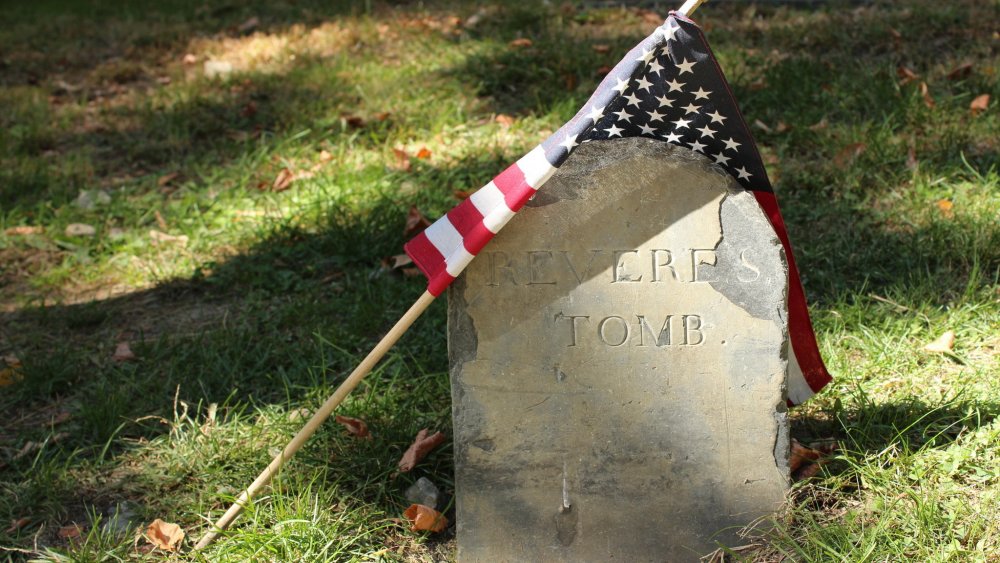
x: 689, y: 7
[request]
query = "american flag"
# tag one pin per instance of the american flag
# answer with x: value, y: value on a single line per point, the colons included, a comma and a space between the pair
x: 669, y: 87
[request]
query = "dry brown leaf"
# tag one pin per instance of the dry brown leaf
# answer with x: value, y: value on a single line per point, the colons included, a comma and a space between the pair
x: 800, y: 455
x: 164, y: 535
x: 283, y: 180
x: 424, y: 153
x: 504, y: 120
x: 11, y: 360
x: 849, y: 153
x: 602, y: 71
x: 601, y: 48
x: 411, y: 272
x: 945, y: 206
x: 905, y: 75
x: 462, y: 195
x: 911, y: 159
x: 926, y: 94
x: 979, y: 104
x: 415, y: 222
x: 819, y: 125
x: 69, y: 532
x: 804, y: 462
x: 189, y: 59
x: 381, y: 115
x: 425, y: 519
x: 23, y: 231
x: 960, y: 72
x: 9, y: 376
x: 762, y: 126
x: 17, y: 524
x: 249, y: 109
x: 759, y: 84
x: 123, y: 353
x: 355, y: 426
x: 354, y: 121
x: 166, y: 179
x: 943, y: 344
x: 402, y: 160
x: 80, y: 230
x: 782, y: 127
x: 421, y: 446
x: 60, y: 418
x: 160, y: 221
x: 521, y: 42
x: 325, y: 156
x: 399, y: 260
x: 570, y: 81
x: 159, y: 237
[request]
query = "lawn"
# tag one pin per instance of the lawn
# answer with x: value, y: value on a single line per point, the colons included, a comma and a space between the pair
x: 222, y: 186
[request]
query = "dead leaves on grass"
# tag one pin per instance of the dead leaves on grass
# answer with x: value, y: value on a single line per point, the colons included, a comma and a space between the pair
x: 979, y: 104
x: 421, y: 446
x: 355, y: 426
x: 425, y: 519
x: 804, y: 462
x: 10, y: 374
x: 164, y: 535
x: 123, y: 353
x: 943, y: 344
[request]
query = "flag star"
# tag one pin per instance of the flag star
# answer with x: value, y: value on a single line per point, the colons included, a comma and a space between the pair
x: 668, y: 31
x: 685, y: 67
x: 673, y: 138
x: 644, y: 84
x: 701, y: 93
x: 632, y: 100
x: 621, y: 86
x: 614, y: 131
x: 717, y: 117
x: 623, y: 115
x: 676, y: 86
x: 681, y: 123
x: 655, y: 66
x: 596, y: 113
x: 569, y: 142
x: 706, y: 131
x: 697, y: 146
x: 720, y: 159
x: 731, y: 144
x: 665, y: 101
x: 691, y: 108
x: 742, y: 173
x: 656, y: 116
x: 647, y: 130
x: 646, y: 56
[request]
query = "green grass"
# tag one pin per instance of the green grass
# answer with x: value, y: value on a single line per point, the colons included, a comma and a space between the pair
x: 274, y: 296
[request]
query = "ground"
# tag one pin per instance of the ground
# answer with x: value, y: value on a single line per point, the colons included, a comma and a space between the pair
x: 223, y: 187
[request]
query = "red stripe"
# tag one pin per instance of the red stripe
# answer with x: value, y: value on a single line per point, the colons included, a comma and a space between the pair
x: 516, y: 192
x: 800, y: 328
x: 468, y: 221
x: 425, y: 255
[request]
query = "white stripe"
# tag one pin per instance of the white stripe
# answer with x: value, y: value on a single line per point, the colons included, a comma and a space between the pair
x: 444, y: 236
x: 488, y: 199
x: 457, y: 261
x: 536, y: 167
x: 497, y: 218
x: 798, y: 389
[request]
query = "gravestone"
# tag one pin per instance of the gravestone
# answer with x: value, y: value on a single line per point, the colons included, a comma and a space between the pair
x: 618, y: 359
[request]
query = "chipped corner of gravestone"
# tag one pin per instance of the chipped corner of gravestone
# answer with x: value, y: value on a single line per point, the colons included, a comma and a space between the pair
x: 618, y: 357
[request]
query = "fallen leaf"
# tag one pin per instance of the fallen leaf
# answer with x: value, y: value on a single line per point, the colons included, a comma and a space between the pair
x: 299, y: 414
x: 159, y: 237
x: 160, y: 221
x: 164, y: 535
x: 570, y: 81
x: 9, y: 376
x: 415, y: 222
x: 979, y: 104
x: 897, y: 37
x: 399, y: 260
x: 960, y: 72
x: 11, y: 360
x: 60, y: 418
x: 762, y: 126
x: 759, y: 84
x: 425, y: 519
x: 943, y: 344
x: 23, y: 230
x: 849, y: 153
x: 462, y: 195
x: 905, y: 75
x: 283, y: 180
x: 123, y: 353
x: 381, y: 115
x: 804, y: 462
x: 504, y: 120
x: 402, y: 160
x: 355, y: 121
x: 521, y: 42
x: 911, y: 160
x: 602, y: 71
x: 411, y: 272
x: 325, y: 156
x: 424, y: 153
x: 945, y: 206
x: 80, y: 230
x: 601, y: 48
x: 166, y: 179
x: 189, y: 59
x: 819, y: 125
x: 420, y: 447
x: 16, y: 525
x: 925, y: 93
x: 355, y: 426
x: 249, y: 109
x: 800, y: 455
x: 782, y: 127
x: 69, y: 532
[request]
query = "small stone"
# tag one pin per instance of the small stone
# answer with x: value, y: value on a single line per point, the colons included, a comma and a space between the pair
x: 80, y: 230
x: 215, y: 69
x: 89, y: 199
x: 423, y: 492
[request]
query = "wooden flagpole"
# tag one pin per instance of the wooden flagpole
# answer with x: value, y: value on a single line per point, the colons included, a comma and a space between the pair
x: 689, y: 7
x: 317, y: 419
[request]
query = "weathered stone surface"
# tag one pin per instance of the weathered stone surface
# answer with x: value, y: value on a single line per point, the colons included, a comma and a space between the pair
x: 618, y: 365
